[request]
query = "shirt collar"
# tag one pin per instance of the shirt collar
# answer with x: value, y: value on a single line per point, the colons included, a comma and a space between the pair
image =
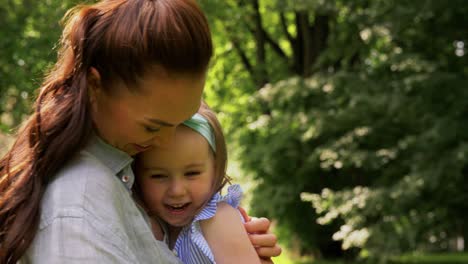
x: 112, y: 157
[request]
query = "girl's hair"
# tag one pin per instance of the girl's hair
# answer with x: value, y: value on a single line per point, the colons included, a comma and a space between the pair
x: 221, y: 178
x: 122, y: 39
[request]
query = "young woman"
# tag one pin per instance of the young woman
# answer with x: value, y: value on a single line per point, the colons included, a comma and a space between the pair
x: 128, y: 72
x: 179, y: 186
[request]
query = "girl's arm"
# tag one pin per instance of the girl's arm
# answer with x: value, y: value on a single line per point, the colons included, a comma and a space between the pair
x: 227, y: 237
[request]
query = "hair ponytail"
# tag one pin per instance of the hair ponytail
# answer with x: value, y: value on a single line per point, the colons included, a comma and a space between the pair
x: 58, y: 127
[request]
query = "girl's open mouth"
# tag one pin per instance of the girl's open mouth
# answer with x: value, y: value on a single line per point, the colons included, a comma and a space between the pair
x: 177, y: 208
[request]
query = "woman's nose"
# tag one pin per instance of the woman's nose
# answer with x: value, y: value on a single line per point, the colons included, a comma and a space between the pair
x: 164, y: 138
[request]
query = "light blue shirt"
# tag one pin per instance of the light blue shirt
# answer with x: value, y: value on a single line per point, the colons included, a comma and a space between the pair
x: 88, y: 214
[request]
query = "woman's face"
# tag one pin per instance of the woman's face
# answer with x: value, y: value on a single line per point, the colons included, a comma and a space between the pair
x: 136, y: 121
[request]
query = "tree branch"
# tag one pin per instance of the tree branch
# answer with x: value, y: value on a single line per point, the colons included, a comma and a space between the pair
x: 319, y: 35
x: 275, y: 46
x: 265, y: 37
x: 302, y: 47
x: 284, y: 26
x: 245, y: 61
x: 262, y: 75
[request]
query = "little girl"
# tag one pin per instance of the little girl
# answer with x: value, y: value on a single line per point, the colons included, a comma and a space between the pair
x: 180, y: 185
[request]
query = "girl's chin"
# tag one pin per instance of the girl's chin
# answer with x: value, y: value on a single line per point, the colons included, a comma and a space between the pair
x: 178, y: 221
x: 178, y: 218
x: 179, y: 225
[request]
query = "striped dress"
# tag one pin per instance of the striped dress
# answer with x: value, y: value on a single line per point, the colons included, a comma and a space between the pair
x: 191, y: 247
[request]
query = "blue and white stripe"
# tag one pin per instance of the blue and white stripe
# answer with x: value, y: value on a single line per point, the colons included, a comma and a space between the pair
x: 191, y: 247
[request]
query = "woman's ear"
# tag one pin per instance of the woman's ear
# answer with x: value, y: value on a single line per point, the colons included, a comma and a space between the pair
x: 94, y: 85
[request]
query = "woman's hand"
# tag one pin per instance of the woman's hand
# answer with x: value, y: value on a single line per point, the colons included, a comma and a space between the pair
x: 264, y: 242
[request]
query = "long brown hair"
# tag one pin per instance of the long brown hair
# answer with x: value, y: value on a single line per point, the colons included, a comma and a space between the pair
x: 119, y: 38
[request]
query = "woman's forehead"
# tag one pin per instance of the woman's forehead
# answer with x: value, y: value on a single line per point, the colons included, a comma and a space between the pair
x: 167, y: 99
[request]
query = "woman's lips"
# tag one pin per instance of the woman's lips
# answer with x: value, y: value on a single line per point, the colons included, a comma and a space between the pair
x: 141, y: 148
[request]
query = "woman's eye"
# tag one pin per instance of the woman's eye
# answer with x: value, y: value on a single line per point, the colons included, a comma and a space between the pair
x: 192, y: 173
x: 152, y: 129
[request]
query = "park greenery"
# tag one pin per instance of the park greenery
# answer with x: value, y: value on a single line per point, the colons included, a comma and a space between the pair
x: 348, y: 115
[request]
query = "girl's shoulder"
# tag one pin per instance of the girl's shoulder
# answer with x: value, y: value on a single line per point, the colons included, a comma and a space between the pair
x: 233, y: 198
x: 225, y: 233
x: 191, y: 245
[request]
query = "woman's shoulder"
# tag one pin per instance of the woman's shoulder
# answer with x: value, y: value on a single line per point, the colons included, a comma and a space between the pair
x: 82, y: 186
x: 97, y: 164
x: 86, y: 163
x: 80, y: 171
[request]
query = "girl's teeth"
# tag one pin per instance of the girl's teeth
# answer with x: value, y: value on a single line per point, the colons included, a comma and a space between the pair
x: 177, y: 206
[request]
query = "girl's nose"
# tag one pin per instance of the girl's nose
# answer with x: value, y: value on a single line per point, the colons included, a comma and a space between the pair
x: 177, y: 188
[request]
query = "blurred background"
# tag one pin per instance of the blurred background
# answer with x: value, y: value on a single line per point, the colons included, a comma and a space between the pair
x: 346, y: 120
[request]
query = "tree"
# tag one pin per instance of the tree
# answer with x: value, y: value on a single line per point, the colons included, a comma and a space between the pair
x: 348, y: 96
x: 354, y: 107
x: 29, y: 32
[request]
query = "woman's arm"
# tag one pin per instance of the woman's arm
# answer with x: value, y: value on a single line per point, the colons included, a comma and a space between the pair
x: 228, y: 238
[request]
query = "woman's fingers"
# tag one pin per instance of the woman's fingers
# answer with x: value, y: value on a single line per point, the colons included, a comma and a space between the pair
x: 244, y: 214
x: 257, y: 225
x: 263, y: 240
x: 268, y: 252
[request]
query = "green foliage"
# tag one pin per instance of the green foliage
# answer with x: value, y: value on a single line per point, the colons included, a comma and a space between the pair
x: 29, y: 32
x: 350, y: 115
x: 372, y: 136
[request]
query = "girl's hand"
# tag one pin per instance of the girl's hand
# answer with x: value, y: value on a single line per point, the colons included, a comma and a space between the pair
x: 264, y: 242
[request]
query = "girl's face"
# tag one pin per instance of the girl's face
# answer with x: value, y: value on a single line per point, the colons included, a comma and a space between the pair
x: 136, y: 121
x: 176, y: 181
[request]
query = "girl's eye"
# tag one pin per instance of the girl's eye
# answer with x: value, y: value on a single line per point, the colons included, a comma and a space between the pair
x: 192, y: 173
x: 152, y: 129
x: 158, y: 176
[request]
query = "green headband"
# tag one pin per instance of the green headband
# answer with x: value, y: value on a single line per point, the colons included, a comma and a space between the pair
x: 201, y: 125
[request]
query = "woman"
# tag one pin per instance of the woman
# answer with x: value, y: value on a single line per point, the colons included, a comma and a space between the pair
x: 128, y: 73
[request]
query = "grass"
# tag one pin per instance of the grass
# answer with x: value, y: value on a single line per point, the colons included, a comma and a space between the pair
x: 439, y: 258
x: 287, y: 258
x: 423, y: 258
